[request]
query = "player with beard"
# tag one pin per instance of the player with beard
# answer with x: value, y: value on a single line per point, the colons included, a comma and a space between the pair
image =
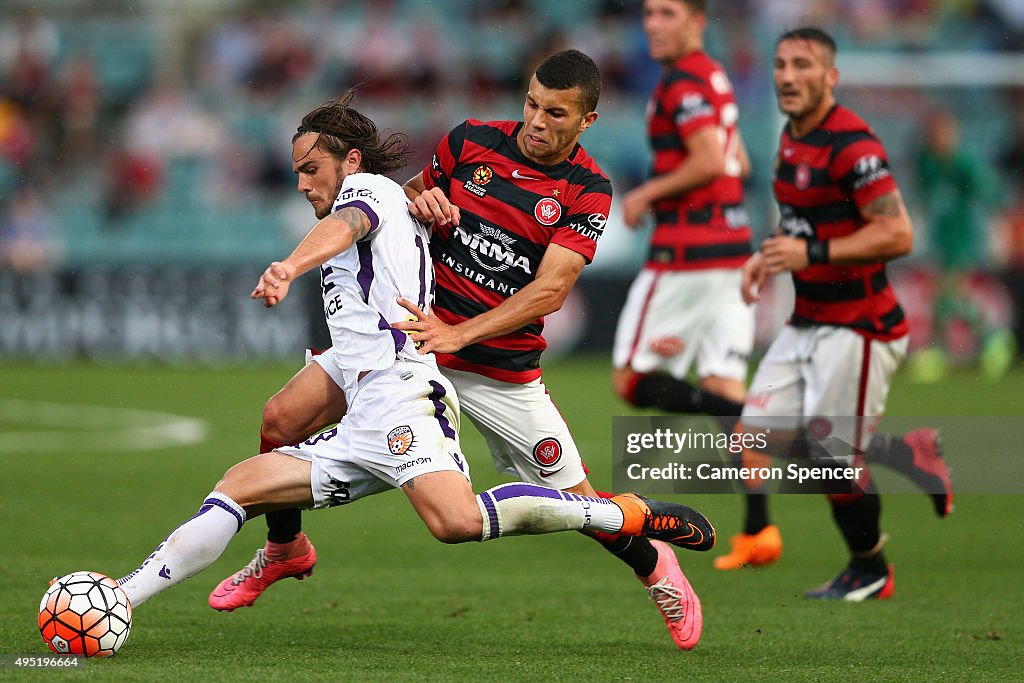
x: 842, y: 219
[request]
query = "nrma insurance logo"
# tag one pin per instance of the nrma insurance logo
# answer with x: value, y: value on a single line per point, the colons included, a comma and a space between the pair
x: 492, y: 249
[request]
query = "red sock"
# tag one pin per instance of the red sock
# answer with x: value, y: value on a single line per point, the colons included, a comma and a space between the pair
x: 266, y: 445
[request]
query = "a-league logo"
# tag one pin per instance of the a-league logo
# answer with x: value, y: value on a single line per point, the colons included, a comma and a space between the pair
x: 400, y: 440
x: 547, y: 452
x: 482, y: 175
x: 547, y: 211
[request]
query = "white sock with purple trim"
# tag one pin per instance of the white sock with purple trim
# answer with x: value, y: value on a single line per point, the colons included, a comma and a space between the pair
x: 518, y: 509
x: 189, y: 549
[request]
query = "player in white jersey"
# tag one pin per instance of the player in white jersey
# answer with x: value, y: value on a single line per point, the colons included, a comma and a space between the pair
x: 401, y: 425
x: 359, y: 284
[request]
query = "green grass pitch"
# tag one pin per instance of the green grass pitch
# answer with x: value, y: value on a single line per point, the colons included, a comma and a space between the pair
x: 388, y: 602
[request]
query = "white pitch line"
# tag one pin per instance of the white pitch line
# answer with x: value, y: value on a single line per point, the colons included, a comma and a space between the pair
x: 73, y: 427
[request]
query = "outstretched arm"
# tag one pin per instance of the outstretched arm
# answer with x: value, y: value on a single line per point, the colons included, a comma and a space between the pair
x: 328, y: 238
x: 556, y: 275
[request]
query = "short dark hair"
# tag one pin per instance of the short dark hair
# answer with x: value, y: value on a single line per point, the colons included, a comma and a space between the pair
x: 698, y: 6
x: 811, y: 33
x: 568, y: 69
x: 341, y: 129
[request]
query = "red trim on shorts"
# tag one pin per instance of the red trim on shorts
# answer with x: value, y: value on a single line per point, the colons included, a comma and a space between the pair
x: 843, y: 499
x: 862, y: 391
x: 643, y: 317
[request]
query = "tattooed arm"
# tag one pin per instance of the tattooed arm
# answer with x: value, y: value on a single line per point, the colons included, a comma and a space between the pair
x: 887, y: 234
x: 328, y: 238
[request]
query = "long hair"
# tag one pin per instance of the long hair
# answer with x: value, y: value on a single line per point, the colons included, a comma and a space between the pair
x: 341, y: 128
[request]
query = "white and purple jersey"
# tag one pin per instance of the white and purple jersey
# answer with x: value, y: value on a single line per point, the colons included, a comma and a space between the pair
x: 361, y: 284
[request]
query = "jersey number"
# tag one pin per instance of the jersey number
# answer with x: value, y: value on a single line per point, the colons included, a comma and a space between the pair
x: 728, y: 135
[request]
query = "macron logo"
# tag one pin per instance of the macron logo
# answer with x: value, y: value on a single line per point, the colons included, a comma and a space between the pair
x: 164, y: 573
x: 458, y: 461
x: 519, y: 176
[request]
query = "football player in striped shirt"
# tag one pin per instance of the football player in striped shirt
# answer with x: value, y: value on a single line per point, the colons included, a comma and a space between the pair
x: 518, y: 207
x: 842, y: 219
x: 684, y: 308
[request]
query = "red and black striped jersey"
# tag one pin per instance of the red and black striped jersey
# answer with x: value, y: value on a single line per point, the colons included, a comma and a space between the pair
x: 706, y: 227
x: 512, y: 208
x: 822, y: 180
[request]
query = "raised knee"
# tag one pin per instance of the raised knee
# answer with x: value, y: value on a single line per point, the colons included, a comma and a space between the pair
x: 623, y: 383
x: 277, y: 422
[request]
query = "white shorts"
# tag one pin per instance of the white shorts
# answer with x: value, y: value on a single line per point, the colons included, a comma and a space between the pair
x: 524, y: 431
x: 672, y: 318
x: 818, y: 373
x: 401, y: 422
x: 344, y: 377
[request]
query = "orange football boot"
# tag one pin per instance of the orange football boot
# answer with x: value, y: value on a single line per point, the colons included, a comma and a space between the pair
x: 752, y: 550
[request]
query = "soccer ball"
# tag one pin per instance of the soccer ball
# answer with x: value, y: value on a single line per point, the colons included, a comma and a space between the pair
x: 85, y: 613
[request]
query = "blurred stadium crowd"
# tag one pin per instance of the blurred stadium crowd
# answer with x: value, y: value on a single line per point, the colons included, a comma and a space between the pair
x: 156, y: 132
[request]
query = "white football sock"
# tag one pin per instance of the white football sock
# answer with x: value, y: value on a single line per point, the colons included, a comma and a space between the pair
x: 517, y: 509
x: 190, y: 548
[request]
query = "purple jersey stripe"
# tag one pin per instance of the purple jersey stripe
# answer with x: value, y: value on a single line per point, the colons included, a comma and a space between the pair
x: 210, y: 502
x: 365, y: 276
x: 492, y: 516
x: 423, y: 272
x: 365, y: 208
x: 506, y: 491
x: 398, y: 336
x: 436, y: 395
